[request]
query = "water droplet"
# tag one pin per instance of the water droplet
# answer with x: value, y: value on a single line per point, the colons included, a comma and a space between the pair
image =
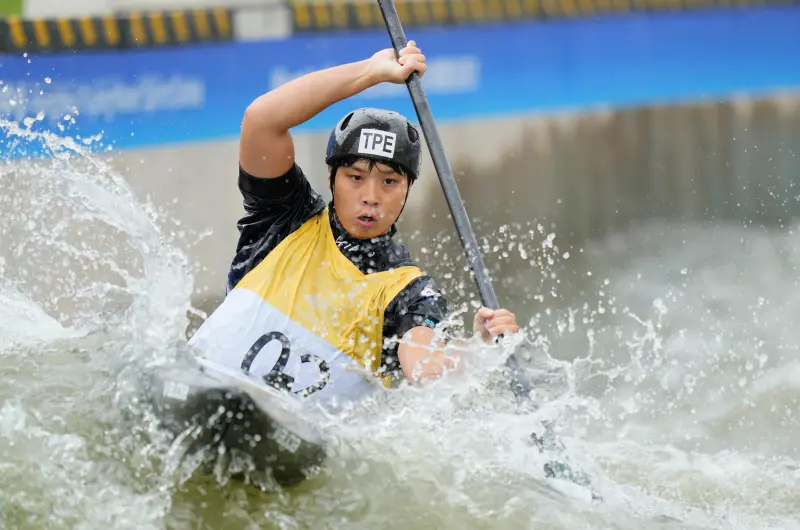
x: 48, y: 80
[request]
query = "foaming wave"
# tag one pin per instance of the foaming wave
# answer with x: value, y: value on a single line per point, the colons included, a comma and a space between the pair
x: 90, y: 291
x: 664, y: 355
x: 78, y: 243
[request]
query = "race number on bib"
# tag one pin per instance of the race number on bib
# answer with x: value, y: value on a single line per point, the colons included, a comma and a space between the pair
x: 247, y: 333
x: 276, y: 376
x: 375, y: 142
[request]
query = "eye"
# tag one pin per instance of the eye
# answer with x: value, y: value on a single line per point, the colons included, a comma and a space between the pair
x: 390, y: 181
x: 355, y: 177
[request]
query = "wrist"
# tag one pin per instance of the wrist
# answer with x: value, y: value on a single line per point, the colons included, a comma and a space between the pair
x: 370, y: 75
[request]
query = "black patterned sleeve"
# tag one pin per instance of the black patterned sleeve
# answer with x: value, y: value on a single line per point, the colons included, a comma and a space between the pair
x: 419, y: 304
x: 274, y: 208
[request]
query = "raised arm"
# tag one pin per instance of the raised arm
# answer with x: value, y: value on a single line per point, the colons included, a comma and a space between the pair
x: 266, y: 149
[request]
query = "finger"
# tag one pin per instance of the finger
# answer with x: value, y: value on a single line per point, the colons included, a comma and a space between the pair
x: 408, y: 67
x: 485, y: 313
x: 500, y: 330
x: 501, y: 321
x: 406, y: 58
x: 410, y: 50
x: 413, y: 53
x: 497, y: 315
x: 421, y: 68
x: 496, y: 324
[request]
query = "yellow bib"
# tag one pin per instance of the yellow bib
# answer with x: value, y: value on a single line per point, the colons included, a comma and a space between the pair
x: 306, y: 311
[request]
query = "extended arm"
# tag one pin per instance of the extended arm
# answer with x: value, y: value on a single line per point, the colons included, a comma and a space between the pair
x: 423, y: 359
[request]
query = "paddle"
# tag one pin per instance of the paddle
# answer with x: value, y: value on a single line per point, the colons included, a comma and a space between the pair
x: 519, y: 383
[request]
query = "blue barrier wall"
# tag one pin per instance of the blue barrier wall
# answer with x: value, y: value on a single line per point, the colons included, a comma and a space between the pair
x: 196, y: 93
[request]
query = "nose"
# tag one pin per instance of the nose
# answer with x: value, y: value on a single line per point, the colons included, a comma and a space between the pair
x: 370, y: 193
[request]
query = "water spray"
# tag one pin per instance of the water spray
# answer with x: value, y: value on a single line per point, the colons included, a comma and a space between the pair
x: 520, y: 384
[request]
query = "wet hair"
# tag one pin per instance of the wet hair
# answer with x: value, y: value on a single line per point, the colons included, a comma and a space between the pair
x: 349, y: 161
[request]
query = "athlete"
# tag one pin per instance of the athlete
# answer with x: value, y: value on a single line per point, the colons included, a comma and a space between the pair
x: 321, y: 300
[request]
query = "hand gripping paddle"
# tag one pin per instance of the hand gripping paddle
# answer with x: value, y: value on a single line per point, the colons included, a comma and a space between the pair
x: 519, y: 382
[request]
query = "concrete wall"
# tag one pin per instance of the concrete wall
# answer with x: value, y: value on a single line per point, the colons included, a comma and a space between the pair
x: 580, y: 176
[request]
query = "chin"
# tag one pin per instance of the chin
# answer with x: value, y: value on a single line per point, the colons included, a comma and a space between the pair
x: 366, y: 234
x: 363, y: 233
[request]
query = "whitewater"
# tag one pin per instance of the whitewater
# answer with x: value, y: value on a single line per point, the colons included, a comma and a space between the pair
x: 666, y: 354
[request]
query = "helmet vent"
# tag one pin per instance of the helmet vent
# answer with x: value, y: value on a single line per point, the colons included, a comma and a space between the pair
x: 346, y: 121
x: 412, y: 133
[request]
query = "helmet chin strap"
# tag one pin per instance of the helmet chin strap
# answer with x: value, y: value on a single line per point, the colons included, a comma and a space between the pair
x: 405, y: 201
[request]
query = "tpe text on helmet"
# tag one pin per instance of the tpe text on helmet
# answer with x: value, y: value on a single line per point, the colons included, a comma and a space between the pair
x: 376, y: 142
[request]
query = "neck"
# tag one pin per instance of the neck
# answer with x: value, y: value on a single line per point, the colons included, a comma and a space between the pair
x: 369, y: 255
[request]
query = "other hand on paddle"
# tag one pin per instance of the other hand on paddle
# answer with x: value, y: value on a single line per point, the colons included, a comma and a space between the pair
x: 491, y: 323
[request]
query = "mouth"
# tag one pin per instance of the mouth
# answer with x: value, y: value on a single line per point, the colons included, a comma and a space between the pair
x: 366, y: 221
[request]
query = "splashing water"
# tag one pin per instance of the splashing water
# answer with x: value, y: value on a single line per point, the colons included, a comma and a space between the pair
x: 87, y: 286
x: 666, y: 355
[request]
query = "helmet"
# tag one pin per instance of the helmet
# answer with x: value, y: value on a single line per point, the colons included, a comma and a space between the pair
x: 376, y: 134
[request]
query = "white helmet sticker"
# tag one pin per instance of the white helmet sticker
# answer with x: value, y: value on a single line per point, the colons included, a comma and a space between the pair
x: 375, y: 142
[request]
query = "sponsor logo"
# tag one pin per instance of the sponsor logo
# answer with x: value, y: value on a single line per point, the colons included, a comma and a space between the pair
x: 175, y: 390
x: 105, y: 98
x: 343, y: 244
x: 286, y: 440
x: 429, y: 292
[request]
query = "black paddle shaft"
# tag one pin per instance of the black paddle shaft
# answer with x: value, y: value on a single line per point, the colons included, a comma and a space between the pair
x: 520, y: 385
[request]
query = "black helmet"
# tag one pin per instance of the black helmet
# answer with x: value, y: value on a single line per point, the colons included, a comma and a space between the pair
x: 376, y: 134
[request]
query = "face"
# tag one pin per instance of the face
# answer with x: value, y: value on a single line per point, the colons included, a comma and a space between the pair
x: 368, y: 201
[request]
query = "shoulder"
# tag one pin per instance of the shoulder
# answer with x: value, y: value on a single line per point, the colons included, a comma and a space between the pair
x: 423, y: 289
x: 274, y: 209
x: 420, y: 291
x: 288, y: 188
x: 420, y: 304
x: 423, y: 298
